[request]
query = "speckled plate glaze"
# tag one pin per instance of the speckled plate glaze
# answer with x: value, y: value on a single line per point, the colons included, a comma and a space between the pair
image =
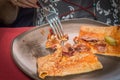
x: 31, y: 44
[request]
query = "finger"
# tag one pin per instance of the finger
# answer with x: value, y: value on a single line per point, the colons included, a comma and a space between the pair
x: 22, y: 5
x: 17, y: 3
x: 28, y: 3
x: 13, y: 2
x: 32, y: 1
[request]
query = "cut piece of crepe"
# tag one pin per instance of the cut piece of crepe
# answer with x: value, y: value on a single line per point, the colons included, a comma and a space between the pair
x: 95, y: 36
x: 58, y: 65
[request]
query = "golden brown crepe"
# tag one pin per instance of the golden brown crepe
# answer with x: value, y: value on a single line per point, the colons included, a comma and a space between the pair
x: 99, y: 39
x: 62, y: 64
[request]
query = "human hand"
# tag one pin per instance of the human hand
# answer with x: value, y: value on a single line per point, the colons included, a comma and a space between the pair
x: 25, y: 3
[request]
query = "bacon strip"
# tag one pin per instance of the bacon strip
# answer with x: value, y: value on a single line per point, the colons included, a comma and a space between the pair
x: 89, y: 39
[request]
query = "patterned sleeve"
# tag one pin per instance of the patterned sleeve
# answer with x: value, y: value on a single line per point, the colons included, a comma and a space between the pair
x: 107, y: 11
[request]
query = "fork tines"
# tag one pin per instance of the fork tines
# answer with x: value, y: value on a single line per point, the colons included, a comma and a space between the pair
x: 55, y: 24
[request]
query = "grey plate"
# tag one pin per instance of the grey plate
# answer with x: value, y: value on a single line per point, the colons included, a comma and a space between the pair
x: 31, y: 44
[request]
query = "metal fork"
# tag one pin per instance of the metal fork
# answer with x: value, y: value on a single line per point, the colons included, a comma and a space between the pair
x: 53, y: 20
x: 55, y: 24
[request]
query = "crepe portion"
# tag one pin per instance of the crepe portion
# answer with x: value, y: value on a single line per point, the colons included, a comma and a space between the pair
x: 58, y: 64
x: 102, y: 40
